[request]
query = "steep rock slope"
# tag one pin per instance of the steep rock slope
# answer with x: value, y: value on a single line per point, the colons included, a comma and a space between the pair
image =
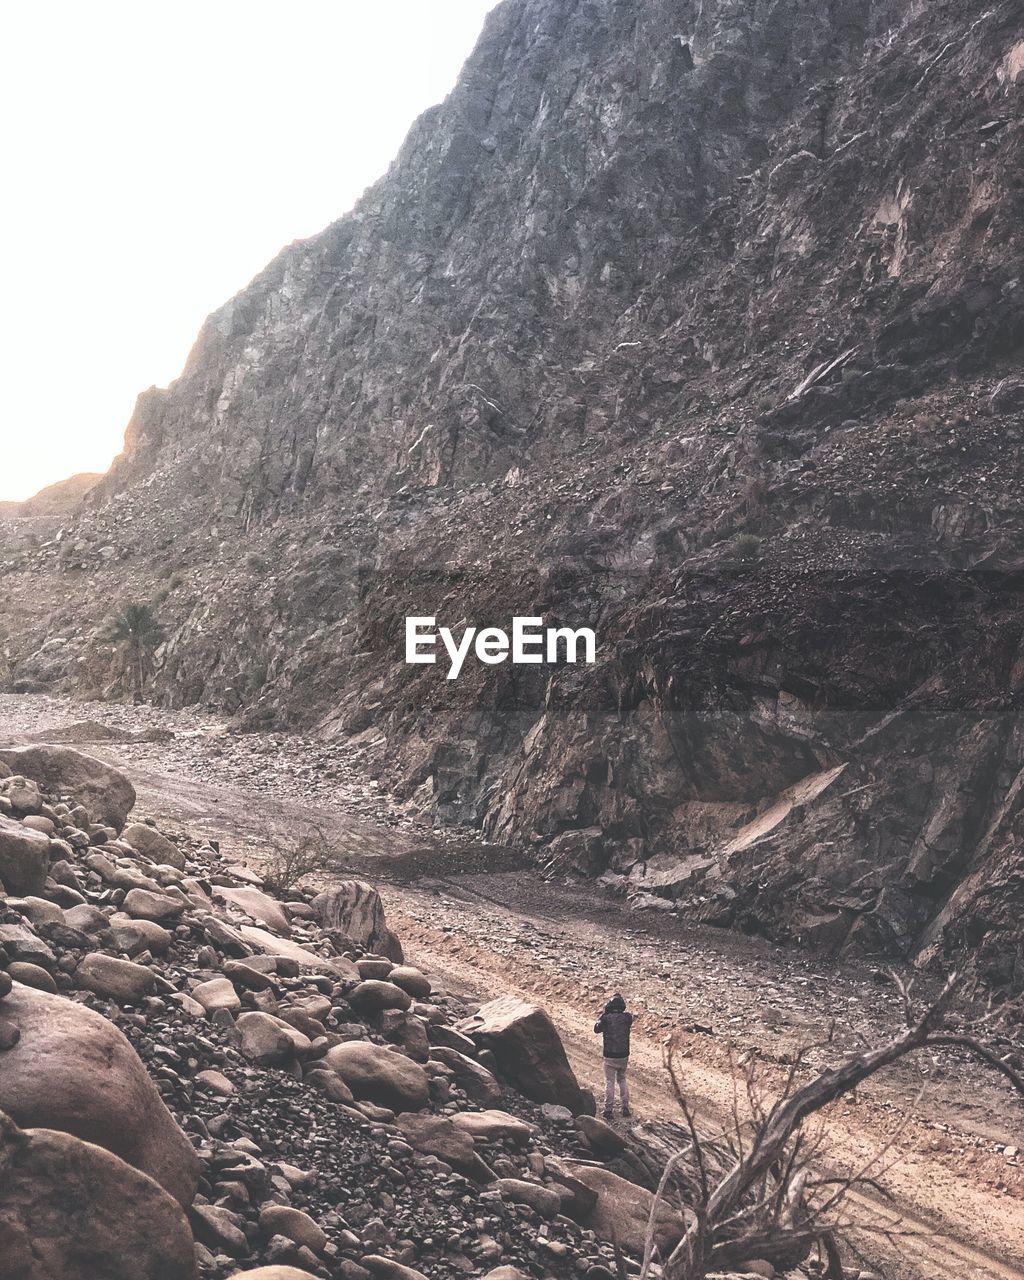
x: 698, y: 323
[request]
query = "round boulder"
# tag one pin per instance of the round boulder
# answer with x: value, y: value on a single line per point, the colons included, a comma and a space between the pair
x: 74, y: 1071
x: 74, y: 1210
x: 379, y: 1075
x: 412, y: 980
x: 374, y: 996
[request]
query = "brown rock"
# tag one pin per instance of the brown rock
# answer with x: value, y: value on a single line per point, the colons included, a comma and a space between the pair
x: 144, y: 904
x: 601, y: 1138
x: 260, y: 906
x: 102, y: 789
x: 87, y: 918
x: 31, y: 975
x: 73, y: 1070
x: 438, y: 1136
x: 247, y: 975
x: 479, y: 1084
x: 494, y: 1126
x: 541, y: 1199
x: 218, y: 993
x: 387, y: 1269
x: 149, y: 842
x: 528, y: 1051
x: 380, y: 1075
x: 373, y: 997
x: 330, y: 1084
x: 354, y: 909
x: 24, y: 857
x: 22, y: 794
x: 293, y: 1224
x: 73, y: 1210
x: 412, y: 980
x: 264, y: 1038
x: 136, y: 936
x: 270, y: 944
x: 273, y: 1273
x: 214, y: 1082
x: 623, y: 1209
x: 120, y: 980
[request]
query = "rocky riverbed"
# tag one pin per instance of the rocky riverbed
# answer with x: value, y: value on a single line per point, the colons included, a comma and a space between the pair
x: 236, y: 1078
x: 480, y: 934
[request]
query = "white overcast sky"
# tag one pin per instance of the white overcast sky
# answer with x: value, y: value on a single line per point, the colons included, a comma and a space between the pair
x: 156, y: 155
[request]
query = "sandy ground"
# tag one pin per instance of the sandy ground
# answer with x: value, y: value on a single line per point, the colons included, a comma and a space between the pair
x: 478, y: 918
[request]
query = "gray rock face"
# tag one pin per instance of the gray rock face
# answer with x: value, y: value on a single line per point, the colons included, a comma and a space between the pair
x: 643, y: 305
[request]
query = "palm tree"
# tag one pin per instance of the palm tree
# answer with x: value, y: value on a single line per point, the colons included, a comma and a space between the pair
x: 137, y: 634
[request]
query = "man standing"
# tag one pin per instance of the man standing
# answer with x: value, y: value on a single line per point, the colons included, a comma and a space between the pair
x: 614, y: 1024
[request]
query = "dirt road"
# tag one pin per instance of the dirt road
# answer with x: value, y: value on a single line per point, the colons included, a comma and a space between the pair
x: 478, y: 918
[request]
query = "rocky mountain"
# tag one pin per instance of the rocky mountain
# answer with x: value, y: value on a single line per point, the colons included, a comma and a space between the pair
x: 698, y: 323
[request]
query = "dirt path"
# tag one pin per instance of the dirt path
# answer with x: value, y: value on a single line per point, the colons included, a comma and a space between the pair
x: 955, y: 1226
x: 477, y: 917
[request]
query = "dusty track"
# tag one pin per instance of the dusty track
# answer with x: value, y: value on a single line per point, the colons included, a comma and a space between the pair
x: 954, y: 1226
x: 483, y: 931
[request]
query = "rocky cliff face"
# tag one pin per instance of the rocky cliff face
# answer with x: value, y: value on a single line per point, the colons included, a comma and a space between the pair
x: 698, y: 323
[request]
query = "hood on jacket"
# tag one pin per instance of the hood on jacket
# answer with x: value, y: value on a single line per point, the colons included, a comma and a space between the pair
x: 615, y: 1005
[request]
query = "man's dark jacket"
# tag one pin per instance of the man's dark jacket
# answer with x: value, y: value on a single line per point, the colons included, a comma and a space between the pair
x: 615, y: 1023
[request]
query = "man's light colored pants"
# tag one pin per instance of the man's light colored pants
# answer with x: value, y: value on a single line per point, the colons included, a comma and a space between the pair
x: 615, y: 1070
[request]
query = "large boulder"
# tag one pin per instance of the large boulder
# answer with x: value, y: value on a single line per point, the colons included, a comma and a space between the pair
x: 379, y: 1075
x: 354, y: 909
x: 528, y: 1051
x: 622, y: 1209
x: 73, y: 1070
x: 24, y: 858
x: 73, y: 1210
x: 102, y: 789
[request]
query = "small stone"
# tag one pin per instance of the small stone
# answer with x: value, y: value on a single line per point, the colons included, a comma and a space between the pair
x: 215, y: 1082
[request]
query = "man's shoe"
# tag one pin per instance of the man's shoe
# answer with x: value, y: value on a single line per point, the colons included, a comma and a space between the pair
x: 607, y: 1115
x: 626, y: 1112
